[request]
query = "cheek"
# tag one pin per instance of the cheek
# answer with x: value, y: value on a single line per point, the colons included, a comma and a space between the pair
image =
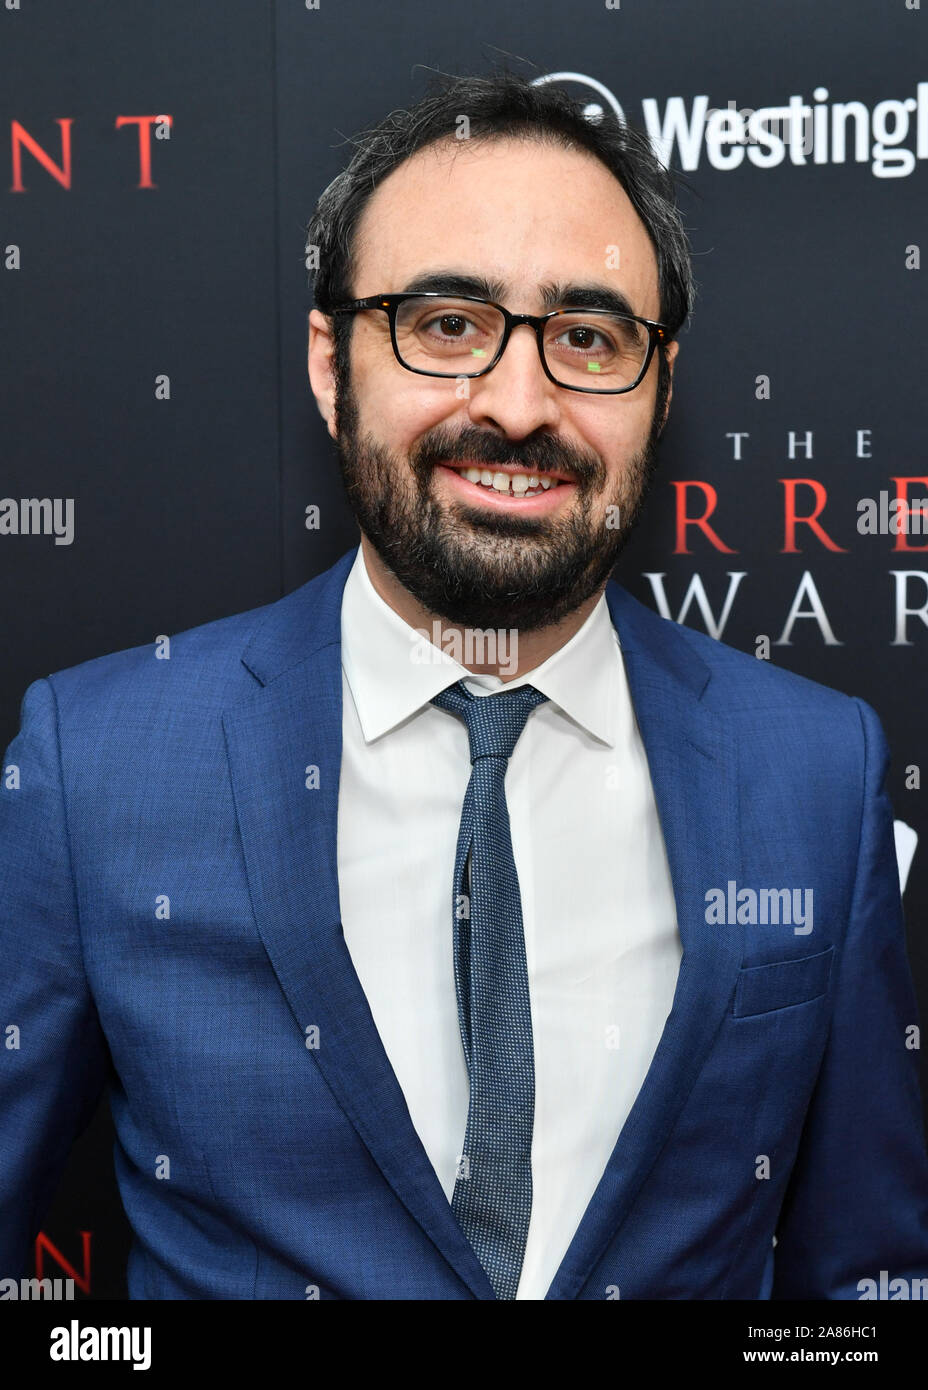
x: 613, y: 435
x: 399, y: 407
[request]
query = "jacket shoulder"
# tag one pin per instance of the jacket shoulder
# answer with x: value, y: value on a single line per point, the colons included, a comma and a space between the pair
x: 737, y: 679
x: 202, y: 665
x: 215, y: 663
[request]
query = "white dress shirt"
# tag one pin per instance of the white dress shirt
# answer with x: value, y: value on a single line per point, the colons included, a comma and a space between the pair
x: 601, y: 939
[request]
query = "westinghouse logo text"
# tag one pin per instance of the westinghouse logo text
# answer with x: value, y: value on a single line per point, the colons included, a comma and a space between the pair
x: 820, y: 131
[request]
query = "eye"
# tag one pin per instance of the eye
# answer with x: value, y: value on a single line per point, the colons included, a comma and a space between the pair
x: 605, y: 338
x: 448, y: 325
x: 582, y: 338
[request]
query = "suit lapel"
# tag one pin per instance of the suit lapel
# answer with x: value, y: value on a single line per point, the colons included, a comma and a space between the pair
x: 291, y: 723
x: 694, y: 773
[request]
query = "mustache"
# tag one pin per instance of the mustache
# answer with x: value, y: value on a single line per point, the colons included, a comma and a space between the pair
x: 541, y: 455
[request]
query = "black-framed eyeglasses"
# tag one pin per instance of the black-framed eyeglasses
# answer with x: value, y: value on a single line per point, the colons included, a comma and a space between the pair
x: 594, y: 350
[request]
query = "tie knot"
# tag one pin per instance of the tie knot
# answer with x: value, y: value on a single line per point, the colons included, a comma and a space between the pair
x: 494, y: 722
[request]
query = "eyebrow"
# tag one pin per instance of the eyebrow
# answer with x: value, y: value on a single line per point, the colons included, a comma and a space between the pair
x: 554, y: 294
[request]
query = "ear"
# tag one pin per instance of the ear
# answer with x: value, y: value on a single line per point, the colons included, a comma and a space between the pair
x: 321, y: 365
x: 670, y: 353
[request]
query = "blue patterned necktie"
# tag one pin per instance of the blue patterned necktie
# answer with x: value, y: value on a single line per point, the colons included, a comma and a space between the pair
x: 492, y: 1198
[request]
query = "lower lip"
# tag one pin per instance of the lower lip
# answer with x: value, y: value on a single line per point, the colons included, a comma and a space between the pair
x: 505, y: 501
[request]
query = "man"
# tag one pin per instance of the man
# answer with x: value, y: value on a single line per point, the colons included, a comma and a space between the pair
x: 571, y: 968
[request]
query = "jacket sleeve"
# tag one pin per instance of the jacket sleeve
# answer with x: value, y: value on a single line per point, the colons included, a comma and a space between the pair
x: 54, y: 1061
x: 857, y: 1200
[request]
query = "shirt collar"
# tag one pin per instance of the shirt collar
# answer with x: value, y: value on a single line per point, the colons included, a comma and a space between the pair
x: 392, y: 671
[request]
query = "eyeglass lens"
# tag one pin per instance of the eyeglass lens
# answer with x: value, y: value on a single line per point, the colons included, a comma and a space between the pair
x: 454, y: 337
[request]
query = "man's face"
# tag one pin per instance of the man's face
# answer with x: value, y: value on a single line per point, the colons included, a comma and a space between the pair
x: 519, y: 215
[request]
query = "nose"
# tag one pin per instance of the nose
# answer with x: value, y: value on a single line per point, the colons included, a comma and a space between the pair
x: 516, y: 395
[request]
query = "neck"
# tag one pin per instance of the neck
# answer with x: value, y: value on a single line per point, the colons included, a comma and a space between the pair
x: 488, y: 658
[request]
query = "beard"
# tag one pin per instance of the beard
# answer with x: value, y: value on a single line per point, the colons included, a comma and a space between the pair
x: 478, y: 568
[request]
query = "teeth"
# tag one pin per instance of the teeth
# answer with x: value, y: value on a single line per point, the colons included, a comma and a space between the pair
x: 516, y: 484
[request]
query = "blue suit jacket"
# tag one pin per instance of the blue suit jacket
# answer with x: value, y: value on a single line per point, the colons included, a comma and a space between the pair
x: 782, y: 1099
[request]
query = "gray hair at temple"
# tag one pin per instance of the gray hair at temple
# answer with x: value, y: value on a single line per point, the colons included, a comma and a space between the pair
x: 503, y: 104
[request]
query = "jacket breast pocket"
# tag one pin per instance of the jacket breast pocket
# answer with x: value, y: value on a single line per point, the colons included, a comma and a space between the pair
x: 782, y: 983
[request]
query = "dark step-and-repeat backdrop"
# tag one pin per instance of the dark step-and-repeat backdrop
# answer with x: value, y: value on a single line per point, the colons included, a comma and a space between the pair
x: 159, y: 167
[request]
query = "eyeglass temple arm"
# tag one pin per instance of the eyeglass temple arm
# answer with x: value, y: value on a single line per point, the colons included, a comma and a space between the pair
x: 374, y: 301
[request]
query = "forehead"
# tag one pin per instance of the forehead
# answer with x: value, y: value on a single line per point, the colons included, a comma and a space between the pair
x: 516, y: 211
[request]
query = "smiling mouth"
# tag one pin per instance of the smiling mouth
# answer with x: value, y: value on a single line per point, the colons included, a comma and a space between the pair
x: 508, y: 479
